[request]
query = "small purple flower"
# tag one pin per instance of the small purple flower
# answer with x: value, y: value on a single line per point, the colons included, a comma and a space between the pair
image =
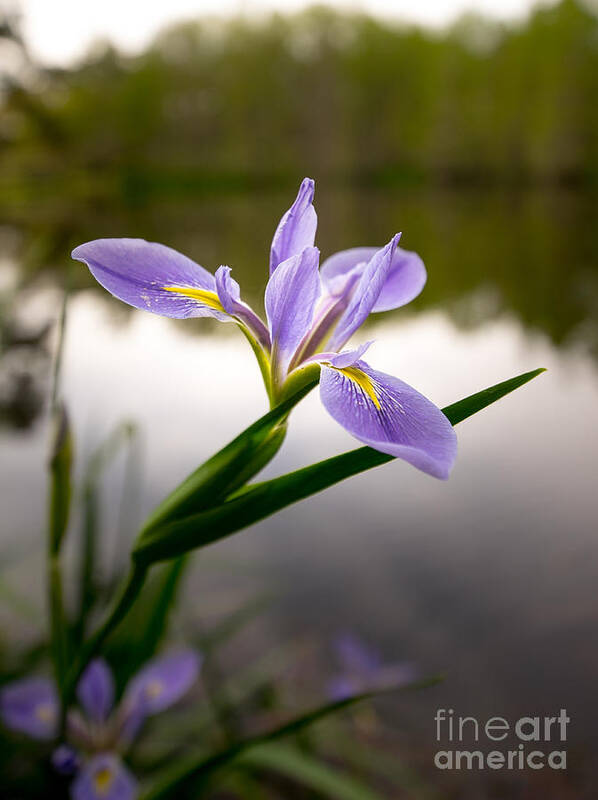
x: 99, y: 730
x: 311, y: 312
x: 104, y: 777
x: 362, y: 669
x: 30, y: 706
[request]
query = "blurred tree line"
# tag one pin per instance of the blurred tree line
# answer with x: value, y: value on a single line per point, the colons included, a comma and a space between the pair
x: 337, y: 94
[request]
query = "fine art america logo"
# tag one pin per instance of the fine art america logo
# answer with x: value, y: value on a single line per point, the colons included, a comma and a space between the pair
x: 534, y: 742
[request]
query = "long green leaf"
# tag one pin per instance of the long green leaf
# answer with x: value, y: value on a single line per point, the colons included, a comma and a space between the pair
x: 307, y: 770
x: 61, y: 461
x: 140, y: 633
x: 230, y: 468
x: 192, y: 769
x: 261, y: 500
x: 91, y: 521
x: 59, y: 504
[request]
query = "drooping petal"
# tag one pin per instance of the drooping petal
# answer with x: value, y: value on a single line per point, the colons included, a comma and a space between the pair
x: 365, y: 294
x: 356, y: 656
x: 162, y: 682
x: 229, y: 295
x: 297, y: 227
x: 405, y: 280
x: 104, y: 777
x: 95, y: 690
x: 291, y: 296
x: 30, y: 706
x: 152, y: 277
x: 389, y: 415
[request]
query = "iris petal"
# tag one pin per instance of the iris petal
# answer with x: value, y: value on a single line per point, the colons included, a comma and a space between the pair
x: 104, y: 777
x: 405, y: 280
x: 389, y: 415
x: 297, y: 228
x: 152, y: 277
x: 229, y: 295
x: 365, y: 294
x: 162, y: 682
x: 291, y: 296
x: 95, y: 690
x: 30, y: 706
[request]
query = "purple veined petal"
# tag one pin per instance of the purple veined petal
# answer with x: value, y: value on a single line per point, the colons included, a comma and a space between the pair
x: 291, y: 296
x: 162, y: 682
x: 30, y: 706
x: 389, y: 415
x: 152, y: 277
x: 356, y: 656
x: 365, y: 294
x: 405, y: 280
x: 104, y: 777
x: 346, y: 358
x: 297, y: 228
x: 65, y: 760
x: 95, y: 690
x: 229, y: 294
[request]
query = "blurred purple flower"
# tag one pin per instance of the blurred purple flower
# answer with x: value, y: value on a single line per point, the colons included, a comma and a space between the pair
x: 99, y: 730
x: 362, y: 669
x: 311, y: 313
x: 30, y: 706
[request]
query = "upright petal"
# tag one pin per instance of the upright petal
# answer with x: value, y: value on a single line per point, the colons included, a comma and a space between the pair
x: 405, y: 280
x: 152, y: 277
x: 390, y: 416
x: 95, y: 690
x: 104, y: 777
x: 30, y: 706
x: 162, y: 682
x: 297, y: 228
x: 365, y: 294
x: 291, y: 296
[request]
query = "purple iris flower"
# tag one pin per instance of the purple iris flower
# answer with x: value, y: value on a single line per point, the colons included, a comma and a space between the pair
x: 362, y: 669
x: 311, y: 314
x: 98, y: 733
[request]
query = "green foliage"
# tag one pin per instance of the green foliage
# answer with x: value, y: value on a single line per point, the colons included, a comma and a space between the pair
x: 340, y: 92
x: 229, y: 469
x: 60, y: 480
x: 257, y: 501
x: 308, y: 771
x: 200, y: 769
x: 136, y: 640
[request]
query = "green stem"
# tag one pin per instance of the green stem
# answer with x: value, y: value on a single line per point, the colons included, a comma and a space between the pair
x: 129, y: 593
x: 263, y: 361
x: 58, y: 635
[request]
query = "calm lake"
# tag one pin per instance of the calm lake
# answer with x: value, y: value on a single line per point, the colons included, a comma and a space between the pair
x: 491, y: 577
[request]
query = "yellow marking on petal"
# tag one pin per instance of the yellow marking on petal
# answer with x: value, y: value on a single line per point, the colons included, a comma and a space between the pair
x: 45, y: 712
x: 103, y: 780
x: 154, y: 689
x: 204, y: 296
x: 365, y: 383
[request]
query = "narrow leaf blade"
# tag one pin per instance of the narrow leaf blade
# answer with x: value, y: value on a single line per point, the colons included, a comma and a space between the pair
x: 307, y: 770
x: 261, y: 500
x: 230, y: 468
x: 201, y: 768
